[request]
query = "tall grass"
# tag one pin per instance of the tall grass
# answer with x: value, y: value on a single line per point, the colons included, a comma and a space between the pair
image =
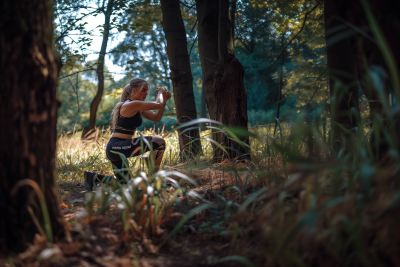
x: 300, y: 201
x: 74, y: 156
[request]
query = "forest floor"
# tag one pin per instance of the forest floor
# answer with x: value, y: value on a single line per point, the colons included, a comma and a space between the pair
x: 103, y: 242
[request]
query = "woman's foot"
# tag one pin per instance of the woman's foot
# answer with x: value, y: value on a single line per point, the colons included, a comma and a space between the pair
x: 89, y: 180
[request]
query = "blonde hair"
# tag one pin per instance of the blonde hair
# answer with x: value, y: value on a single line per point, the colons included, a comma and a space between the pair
x: 125, y: 95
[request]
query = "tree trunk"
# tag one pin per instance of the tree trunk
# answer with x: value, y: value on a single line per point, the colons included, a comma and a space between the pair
x: 370, y: 57
x: 181, y: 75
x: 229, y: 93
x: 344, y: 98
x: 278, y: 105
x: 100, y: 72
x: 366, y: 53
x: 203, y: 104
x: 207, y: 15
x: 29, y: 69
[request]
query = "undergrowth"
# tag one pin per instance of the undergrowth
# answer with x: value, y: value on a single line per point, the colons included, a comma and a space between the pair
x: 298, y: 200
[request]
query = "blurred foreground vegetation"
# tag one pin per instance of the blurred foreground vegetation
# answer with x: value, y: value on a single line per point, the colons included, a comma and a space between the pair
x: 297, y: 203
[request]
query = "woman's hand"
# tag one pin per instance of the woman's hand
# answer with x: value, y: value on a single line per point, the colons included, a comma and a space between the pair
x: 166, y: 96
x: 159, y: 90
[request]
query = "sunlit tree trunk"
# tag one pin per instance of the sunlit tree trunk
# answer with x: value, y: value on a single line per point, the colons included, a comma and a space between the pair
x: 28, y: 111
x: 203, y: 112
x: 100, y: 71
x: 181, y: 75
x: 344, y: 97
x: 230, y: 106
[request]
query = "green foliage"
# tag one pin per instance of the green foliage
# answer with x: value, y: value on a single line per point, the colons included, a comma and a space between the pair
x: 76, y: 88
x: 143, y: 29
x: 262, y: 27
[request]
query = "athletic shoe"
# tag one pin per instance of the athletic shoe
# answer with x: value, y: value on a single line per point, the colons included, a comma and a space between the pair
x: 89, y: 180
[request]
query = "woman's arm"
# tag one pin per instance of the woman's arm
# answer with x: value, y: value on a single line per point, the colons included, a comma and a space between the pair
x: 162, y: 98
x: 142, y: 106
x: 159, y: 98
x: 131, y: 108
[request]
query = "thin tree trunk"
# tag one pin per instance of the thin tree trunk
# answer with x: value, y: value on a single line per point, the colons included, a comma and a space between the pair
x: 229, y: 92
x: 181, y: 75
x: 344, y: 101
x: 29, y: 69
x: 278, y: 106
x: 100, y: 72
x: 207, y: 16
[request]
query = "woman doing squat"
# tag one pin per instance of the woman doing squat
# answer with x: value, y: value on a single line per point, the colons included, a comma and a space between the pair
x: 125, y: 118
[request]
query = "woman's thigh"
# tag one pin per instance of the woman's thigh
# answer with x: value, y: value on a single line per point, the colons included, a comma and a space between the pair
x: 142, y: 146
x: 133, y: 147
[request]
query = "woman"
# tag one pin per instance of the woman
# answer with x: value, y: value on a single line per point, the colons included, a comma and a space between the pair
x: 125, y: 118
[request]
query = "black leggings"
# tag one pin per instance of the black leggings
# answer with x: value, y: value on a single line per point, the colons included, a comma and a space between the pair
x: 131, y: 148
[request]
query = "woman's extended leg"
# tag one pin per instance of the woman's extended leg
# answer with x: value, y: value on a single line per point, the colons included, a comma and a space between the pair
x: 120, y: 172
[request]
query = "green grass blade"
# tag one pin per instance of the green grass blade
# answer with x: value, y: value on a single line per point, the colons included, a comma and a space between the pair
x: 46, y: 217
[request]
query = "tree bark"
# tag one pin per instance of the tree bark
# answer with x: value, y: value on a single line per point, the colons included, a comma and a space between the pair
x: 181, y: 75
x: 229, y: 93
x: 203, y: 112
x: 100, y: 72
x: 207, y: 15
x: 344, y: 98
x: 29, y: 68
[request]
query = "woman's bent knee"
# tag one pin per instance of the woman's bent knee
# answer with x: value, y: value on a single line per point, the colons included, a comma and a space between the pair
x: 158, y: 143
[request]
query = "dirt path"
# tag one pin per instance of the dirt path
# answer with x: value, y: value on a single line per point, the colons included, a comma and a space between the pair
x: 72, y: 199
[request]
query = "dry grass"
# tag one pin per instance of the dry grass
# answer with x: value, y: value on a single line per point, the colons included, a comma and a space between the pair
x: 287, y: 207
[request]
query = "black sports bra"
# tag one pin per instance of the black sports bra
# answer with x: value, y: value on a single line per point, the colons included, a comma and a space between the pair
x: 128, y: 125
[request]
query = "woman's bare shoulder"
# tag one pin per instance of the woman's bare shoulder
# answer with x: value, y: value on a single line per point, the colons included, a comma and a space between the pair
x: 128, y: 109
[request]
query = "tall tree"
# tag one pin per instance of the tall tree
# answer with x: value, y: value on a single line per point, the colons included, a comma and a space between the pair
x: 343, y: 85
x: 207, y: 16
x: 28, y: 71
x: 181, y: 75
x: 278, y: 106
x: 366, y: 48
x: 226, y: 97
x: 368, y: 52
x: 100, y: 68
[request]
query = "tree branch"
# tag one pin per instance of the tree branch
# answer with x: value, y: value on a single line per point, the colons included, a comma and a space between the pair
x: 189, y: 7
x: 194, y: 26
x: 294, y: 37
x: 65, y: 76
x: 62, y: 35
x: 316, y: 89
x: 192, y: 45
